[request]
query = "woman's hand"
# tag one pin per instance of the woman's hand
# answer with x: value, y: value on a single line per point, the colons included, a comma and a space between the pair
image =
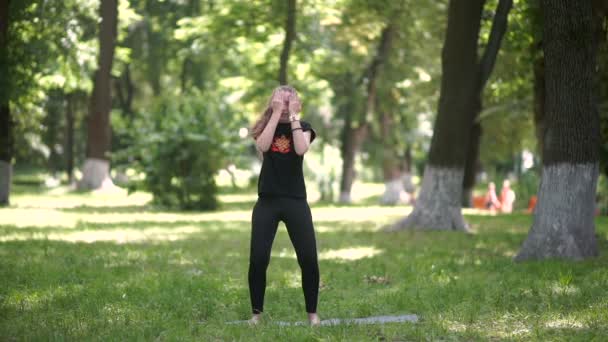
x: 295, y: 106
x: 278, y: 102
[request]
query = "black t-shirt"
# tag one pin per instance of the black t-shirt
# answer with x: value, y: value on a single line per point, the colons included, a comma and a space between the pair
x: 282, y: 173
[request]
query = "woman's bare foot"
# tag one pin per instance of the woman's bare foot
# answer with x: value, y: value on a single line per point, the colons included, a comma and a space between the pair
x: 255, y: 319
x: 314, y: 319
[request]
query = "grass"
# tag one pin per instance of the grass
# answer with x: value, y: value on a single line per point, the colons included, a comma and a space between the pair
x: 79, y: 266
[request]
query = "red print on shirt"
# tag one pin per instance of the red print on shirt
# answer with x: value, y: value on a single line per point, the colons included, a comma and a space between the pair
x: 281, y: 144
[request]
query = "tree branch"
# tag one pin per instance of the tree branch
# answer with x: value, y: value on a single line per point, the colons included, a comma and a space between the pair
x: 499, y: 27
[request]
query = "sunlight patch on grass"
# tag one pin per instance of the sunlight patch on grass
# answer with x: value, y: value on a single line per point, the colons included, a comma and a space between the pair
x: 25, y: 300
x: 564, y: 323
x: 62, y: 198
x: 360, y: 214
x: 349, y: 254
x: 501, y: 328
x: 113, y: 235
x: 562, y: 289
x: 236, y: 198
x: 344, y: 254
x: 292, y: 279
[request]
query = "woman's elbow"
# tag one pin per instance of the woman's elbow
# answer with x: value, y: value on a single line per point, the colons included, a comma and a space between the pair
x: 261, y: 147
x: 301, y: 151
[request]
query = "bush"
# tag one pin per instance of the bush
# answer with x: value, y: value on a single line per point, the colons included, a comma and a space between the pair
x: 180, y: 146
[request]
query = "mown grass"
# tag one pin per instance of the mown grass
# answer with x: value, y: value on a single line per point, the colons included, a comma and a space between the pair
x: 77, y: 266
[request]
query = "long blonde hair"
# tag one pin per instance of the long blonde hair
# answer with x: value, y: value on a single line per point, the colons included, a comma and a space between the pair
x: 262, y: 121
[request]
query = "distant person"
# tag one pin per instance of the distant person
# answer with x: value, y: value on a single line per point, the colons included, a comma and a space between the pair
x: 507, y: 197
x: 282, y: 139
x: 491, y: 200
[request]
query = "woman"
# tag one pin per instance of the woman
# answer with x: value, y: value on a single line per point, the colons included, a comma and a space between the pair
x: 282, y: 139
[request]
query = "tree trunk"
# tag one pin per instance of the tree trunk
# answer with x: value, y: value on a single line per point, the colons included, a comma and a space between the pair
x: 471, y: 166
x: 391, y: 168
x: 290, y: 35
x: 96, y: 167
x: 438, y: 205
x: 6, y: 122
x: 125, y: 91
x: 486, y: 65
x: 564, y: 219
x: 6, y: 153
x: 353, y: 137
x: 539, y: 103
x: 69, y: 137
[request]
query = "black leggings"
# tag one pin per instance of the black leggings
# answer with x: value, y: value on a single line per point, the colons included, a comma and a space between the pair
x: 266, y: 215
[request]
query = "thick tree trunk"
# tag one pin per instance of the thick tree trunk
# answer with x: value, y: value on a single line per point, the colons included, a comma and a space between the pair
x: 96, y: 167
x: 564, y: 219
x: 6, y: 122
x: 564, y: 224
x: 290, y: 35
x: 438, y: 205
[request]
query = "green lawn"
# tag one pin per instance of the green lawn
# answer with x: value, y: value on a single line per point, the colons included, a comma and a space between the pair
x: 108, y: 267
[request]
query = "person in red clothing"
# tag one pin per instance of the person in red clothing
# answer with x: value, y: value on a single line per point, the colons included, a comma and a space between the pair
x: 282, y: 139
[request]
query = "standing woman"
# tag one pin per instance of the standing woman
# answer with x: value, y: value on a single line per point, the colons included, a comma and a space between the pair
x: 282, y: 139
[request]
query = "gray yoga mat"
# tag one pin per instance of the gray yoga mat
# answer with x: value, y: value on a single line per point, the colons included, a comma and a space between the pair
x: 337, y: 321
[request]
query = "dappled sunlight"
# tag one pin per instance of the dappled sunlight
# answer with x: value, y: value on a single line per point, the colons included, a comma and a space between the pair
x: 113, y: 235
x: 359, y: 214
x: 67, y: 219
x: 563, y: 289
x: 292, y: 279
x: 349, y: 254
x: 569, y: 323
x: 62, y: 198
x: 62, y: 219
x: 25, y: 299
x: 344, y: 254
x: 503, y: 327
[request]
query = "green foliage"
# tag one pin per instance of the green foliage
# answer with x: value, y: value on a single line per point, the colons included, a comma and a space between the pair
x: 180, y: 145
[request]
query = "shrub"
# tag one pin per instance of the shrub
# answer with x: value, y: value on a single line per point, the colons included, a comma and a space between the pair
x: 180, y: 146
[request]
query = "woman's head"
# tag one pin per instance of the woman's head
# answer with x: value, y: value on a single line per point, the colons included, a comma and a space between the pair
x: 283, y: 93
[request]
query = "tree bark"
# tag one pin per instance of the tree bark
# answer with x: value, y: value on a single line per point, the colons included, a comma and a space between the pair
x: 6, y: 122
x: 391, y: 168
x: 96, y: 168
x: 564, y: 219
x: 539, y: 103
x: 354, y: 136
x: 471, y: 165
x: 125, y: 90
x: 438, y: 205
x: 352, y: 139
x: 290, y: 35
x: 69, y: 137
